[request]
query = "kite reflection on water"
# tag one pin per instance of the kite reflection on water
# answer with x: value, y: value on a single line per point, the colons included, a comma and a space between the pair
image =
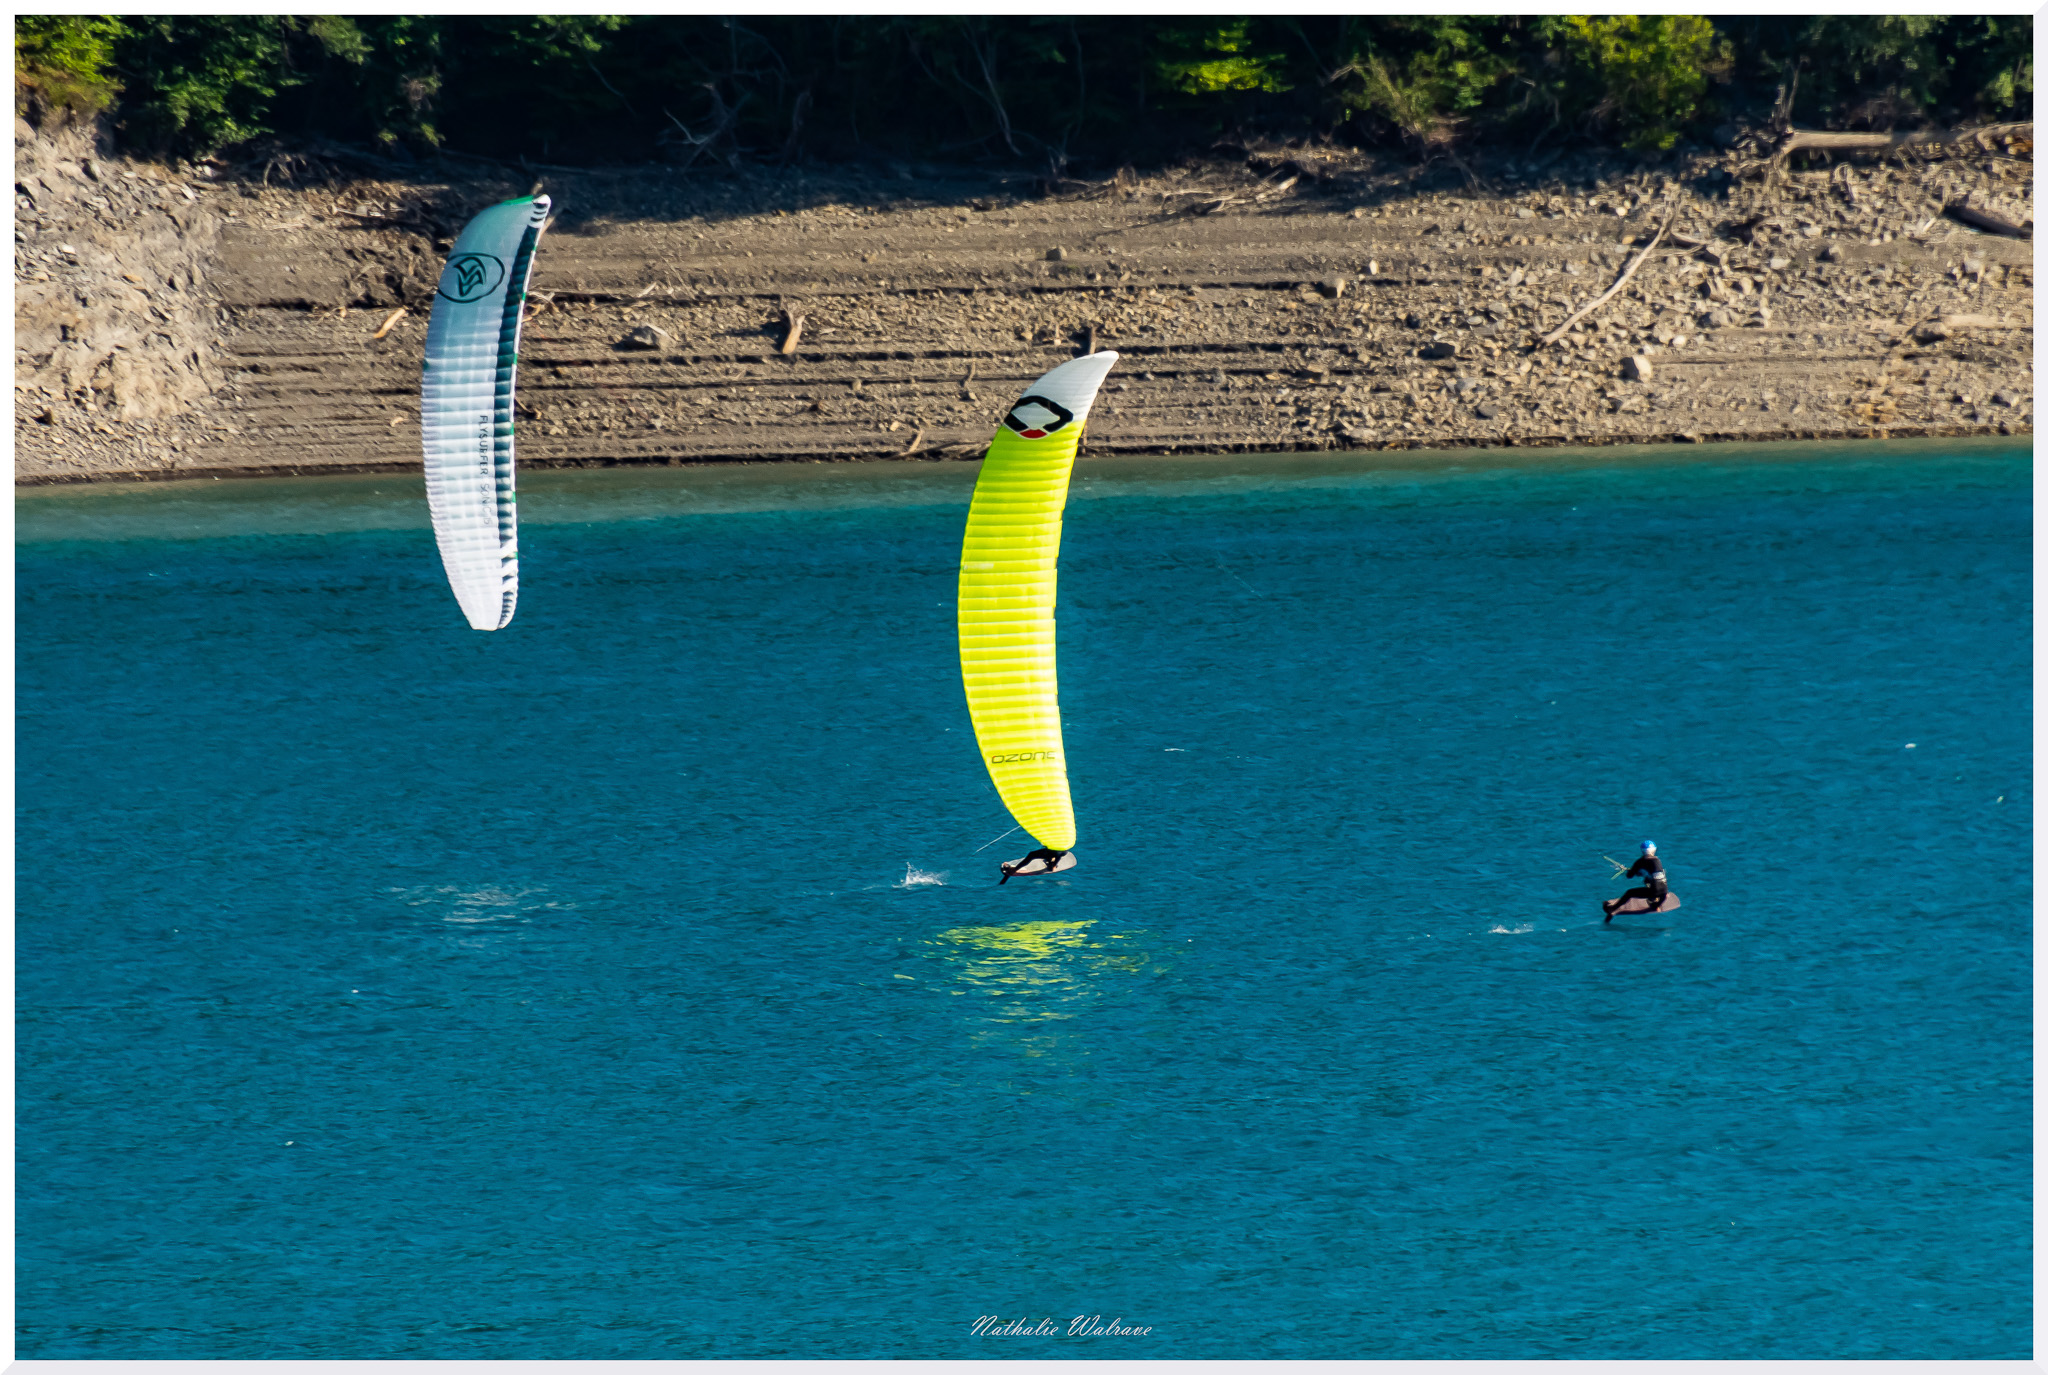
x: 1025, y: 980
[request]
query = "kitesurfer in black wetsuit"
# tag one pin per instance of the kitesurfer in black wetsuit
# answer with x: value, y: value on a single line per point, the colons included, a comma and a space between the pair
x: 1654, y: 887
x: 1051, y: 857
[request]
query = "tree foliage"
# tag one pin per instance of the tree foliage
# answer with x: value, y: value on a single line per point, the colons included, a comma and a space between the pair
x: 1877, y: 71
x: 1646, y: 75
x: 65, y: 61
x: 1043, y: 91
x: 1218, y: 57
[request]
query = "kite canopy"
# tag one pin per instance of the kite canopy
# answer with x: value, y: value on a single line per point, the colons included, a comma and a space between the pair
x: 1008, y: 585
x: 466, y: 406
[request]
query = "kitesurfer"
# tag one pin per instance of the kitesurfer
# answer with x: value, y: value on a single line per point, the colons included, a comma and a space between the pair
x: 1654, y: 887
x: 1051, y: 858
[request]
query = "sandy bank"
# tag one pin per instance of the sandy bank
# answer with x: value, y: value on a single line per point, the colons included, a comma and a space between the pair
x: 183, y: 325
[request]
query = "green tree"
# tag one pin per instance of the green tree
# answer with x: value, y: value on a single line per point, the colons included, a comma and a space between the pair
x: 65, y: 62
x: 1428, y: 75
x: 1886, y: 70
x: 1032, y: 89
x: 1645, y: 75
x: 1218, y: 57
x: 194, y: 84
x: 1994, y: 65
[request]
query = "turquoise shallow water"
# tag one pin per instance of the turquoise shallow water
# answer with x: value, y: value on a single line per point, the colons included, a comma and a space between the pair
x: 630, y: 983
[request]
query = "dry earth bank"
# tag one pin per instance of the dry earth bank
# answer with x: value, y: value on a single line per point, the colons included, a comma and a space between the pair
x: 225, y: 320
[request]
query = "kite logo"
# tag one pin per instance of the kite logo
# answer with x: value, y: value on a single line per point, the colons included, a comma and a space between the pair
x: 1024, y: 757
x: 471, y: 277
x: 1035, y: 417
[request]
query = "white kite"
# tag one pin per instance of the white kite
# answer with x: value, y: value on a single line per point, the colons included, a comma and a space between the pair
x: 466, y: 407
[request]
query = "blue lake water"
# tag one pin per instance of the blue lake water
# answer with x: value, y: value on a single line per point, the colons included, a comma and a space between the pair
x: 633, y: 982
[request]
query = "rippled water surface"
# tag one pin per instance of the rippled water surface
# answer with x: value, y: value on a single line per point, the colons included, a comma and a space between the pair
x: 633, y: 982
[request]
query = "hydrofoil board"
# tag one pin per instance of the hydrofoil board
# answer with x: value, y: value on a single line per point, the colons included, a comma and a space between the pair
x: 1643, y: 905
x: 1018, y: 868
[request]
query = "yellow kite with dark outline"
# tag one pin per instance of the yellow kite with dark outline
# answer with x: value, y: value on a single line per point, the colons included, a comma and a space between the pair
x: 1009, y: 582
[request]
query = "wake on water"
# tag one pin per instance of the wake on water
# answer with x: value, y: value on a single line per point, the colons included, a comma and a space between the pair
x: 914, y: 877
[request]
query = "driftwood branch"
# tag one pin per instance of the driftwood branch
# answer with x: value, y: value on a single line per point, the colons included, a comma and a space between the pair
x: 1211, y: 206
x: 1619, y: 282
x: 723, y: 117
x: 1986, y: 220
x: 592, y: 64
x: 1773, y: 151
x: 1823, y: 141
x: 1948, y: 326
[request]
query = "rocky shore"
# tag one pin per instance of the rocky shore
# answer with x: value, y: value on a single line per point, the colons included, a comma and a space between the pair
x: 267, y: 317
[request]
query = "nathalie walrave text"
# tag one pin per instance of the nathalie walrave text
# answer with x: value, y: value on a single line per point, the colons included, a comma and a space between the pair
x: 990, y: 1325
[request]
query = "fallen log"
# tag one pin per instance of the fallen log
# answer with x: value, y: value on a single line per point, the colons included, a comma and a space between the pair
x: 1826, y: 141
x: 1948, y: 326
x: 1770, y: 159
x: 1987, y: 221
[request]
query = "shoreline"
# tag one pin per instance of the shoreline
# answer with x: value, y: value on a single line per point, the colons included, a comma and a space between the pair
x: 1101, y: 464
x: 170, y: 325
x: 1089, y: 451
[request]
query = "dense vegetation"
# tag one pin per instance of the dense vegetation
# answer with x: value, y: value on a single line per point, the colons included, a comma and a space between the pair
x: 1049, y: 93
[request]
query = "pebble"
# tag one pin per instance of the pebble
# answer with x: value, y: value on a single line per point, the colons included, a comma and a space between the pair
x: 1637, y: 369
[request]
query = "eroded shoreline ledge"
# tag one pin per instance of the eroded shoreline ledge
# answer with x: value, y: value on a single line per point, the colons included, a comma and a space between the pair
x: 170, y: 325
